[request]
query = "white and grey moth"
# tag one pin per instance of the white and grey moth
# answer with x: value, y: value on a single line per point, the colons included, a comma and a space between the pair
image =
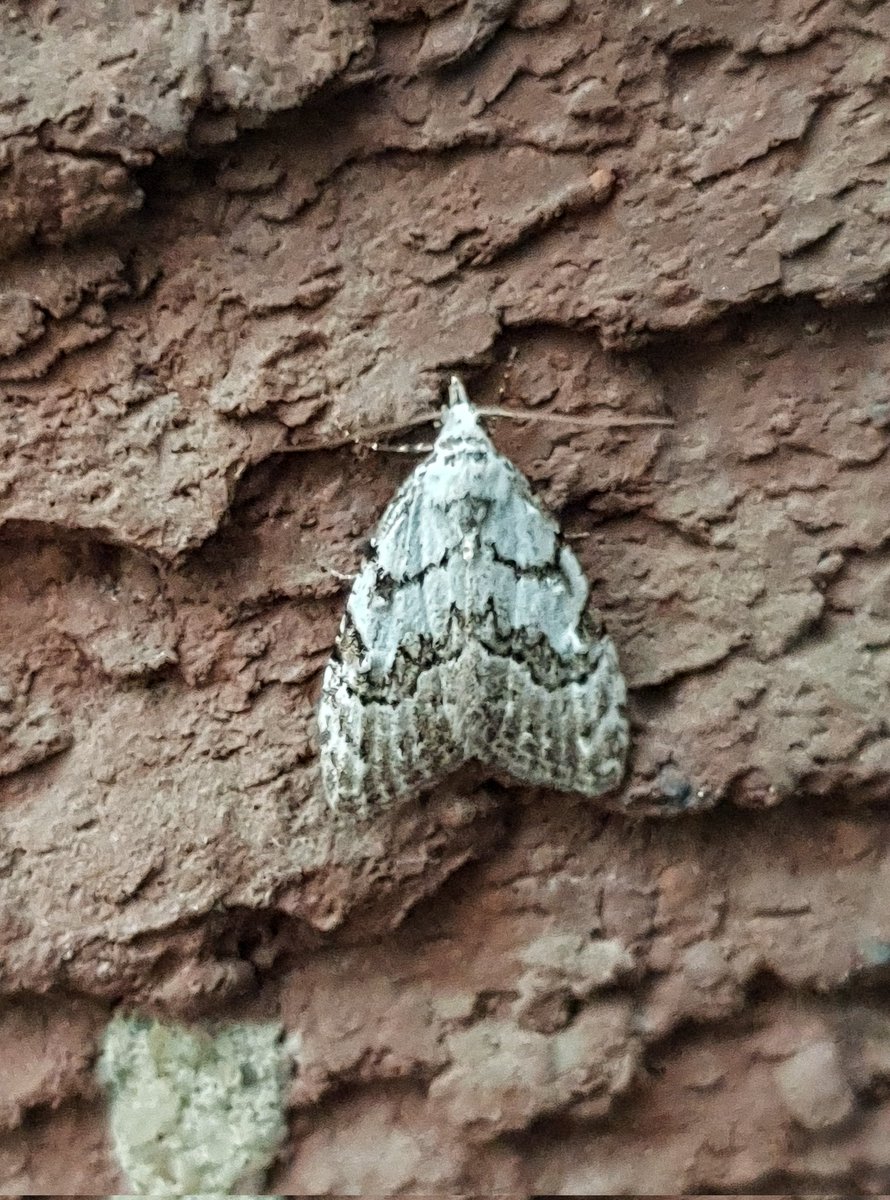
x: 467, y: 637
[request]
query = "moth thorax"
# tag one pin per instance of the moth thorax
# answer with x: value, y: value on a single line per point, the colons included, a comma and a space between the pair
x: 469, y: 545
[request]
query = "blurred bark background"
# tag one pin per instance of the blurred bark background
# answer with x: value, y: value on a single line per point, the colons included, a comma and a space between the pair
x: 242, y: 241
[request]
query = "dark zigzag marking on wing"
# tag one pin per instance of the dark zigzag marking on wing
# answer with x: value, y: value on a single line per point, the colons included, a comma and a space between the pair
x: 386, y: 582
x: 533, y: 651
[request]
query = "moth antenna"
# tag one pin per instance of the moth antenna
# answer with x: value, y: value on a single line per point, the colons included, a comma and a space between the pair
x: 605, y: 422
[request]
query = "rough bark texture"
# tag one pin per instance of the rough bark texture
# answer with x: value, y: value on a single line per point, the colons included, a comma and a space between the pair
x: 243, y: 241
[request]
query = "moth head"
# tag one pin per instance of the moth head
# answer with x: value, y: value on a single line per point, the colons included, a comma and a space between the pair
x: 465, y: 467
x: 460, y: 420
x: 457, y: 393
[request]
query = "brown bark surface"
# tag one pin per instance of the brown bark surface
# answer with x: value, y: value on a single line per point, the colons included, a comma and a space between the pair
x: 240, y: 244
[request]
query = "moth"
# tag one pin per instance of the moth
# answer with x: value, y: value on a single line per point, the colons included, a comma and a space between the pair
x: 468, y: 637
